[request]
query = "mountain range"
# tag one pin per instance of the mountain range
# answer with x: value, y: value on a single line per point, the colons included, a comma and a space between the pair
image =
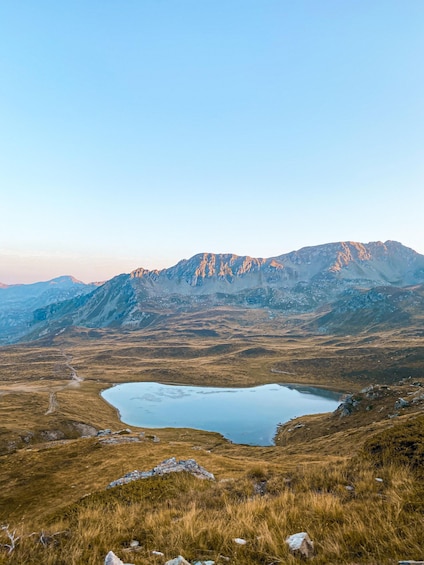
x: 18, y: 301
x: 342, y: 287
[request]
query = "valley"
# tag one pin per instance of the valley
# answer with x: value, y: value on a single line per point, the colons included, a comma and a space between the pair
x: 47, y: 468
x: 351, y: 478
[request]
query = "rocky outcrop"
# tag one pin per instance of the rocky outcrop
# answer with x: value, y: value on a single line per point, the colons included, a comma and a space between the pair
x: 347, y: 406
x: 168, y: 466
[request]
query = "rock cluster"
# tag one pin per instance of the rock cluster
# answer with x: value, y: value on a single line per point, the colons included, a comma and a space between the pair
x: 300, y: 545
x: 404, y: 395
x: 168, y: 466
x: 347, y: 406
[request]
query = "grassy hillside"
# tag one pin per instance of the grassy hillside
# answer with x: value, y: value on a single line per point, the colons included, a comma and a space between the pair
x: 320, y: 478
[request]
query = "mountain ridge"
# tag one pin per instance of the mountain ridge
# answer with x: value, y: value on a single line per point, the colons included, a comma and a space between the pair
x: 311, y: 280
x: 225, y: 265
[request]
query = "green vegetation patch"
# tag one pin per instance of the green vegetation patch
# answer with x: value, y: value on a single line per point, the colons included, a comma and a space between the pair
x: 403, y: 444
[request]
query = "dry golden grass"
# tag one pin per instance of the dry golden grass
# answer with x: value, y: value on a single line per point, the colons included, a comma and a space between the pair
x: 59, y: 486
x: 199, y: 519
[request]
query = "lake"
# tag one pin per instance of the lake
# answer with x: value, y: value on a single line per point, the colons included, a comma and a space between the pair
x: 242, y: 415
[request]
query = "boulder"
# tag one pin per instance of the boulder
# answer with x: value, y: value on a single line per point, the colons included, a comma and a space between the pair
x: 116, y: 440
x: 300, y: 544
x: 347, y: 406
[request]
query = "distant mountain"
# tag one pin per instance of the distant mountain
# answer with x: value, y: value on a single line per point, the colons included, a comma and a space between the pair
x: 336, y: 281
x: 18, y: 301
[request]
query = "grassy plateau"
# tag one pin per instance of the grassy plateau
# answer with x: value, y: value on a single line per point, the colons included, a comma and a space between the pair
x: 354, y: 482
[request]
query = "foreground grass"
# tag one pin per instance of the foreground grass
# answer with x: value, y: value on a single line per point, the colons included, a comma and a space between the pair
x: 179, y: 514
x: 52, y: 493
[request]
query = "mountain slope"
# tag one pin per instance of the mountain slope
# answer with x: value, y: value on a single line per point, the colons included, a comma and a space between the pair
x: 17, y: 302
x: 294, y: 283
x: 386, y: 306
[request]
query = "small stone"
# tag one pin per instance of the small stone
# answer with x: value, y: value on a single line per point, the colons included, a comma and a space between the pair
x: 350, y: 488
x: 122, y: 432
x: 401, y: 403
x: 208, y: 562
x: 154, y: 552
x: 379, y: 480
x: 260, y: 488
x: 134, y: 543
x: 240, y: 541
x: 177, y: 561
x: 301, y: 544
x: 105, y: 432
x: 112, y: 559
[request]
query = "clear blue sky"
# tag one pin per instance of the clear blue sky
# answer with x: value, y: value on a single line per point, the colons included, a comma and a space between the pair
x: 139, y: 132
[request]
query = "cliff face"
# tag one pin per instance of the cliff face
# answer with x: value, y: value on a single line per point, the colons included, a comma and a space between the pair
x: 297, y: 282
x: 379, y: 263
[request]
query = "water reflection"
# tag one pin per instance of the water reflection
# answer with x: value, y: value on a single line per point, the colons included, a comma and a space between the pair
x: 243, y: 415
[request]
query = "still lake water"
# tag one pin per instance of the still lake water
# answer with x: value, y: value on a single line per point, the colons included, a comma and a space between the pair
x: 242, y: 415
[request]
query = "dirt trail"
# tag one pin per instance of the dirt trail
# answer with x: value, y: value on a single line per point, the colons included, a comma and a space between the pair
x: 53, y: 404
x: 74, y: 375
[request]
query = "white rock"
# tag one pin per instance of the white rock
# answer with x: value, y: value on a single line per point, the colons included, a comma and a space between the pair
x: 157, y: 553
x: 240, y: 541
x: 168, y: 466
x: 209, y: 562
x: 177, y: 561
x: 301, y: 544
x: 379, y: 480
x: 134, y: 543
x: 112, y: 559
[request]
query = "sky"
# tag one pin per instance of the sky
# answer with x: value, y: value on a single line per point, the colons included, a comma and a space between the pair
x: 141, y: 132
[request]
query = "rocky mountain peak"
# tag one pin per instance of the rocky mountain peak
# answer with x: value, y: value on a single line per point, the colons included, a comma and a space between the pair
x: 334, y: 276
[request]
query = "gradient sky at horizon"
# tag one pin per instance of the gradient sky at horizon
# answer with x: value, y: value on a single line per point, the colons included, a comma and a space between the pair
x: 142, y: 132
